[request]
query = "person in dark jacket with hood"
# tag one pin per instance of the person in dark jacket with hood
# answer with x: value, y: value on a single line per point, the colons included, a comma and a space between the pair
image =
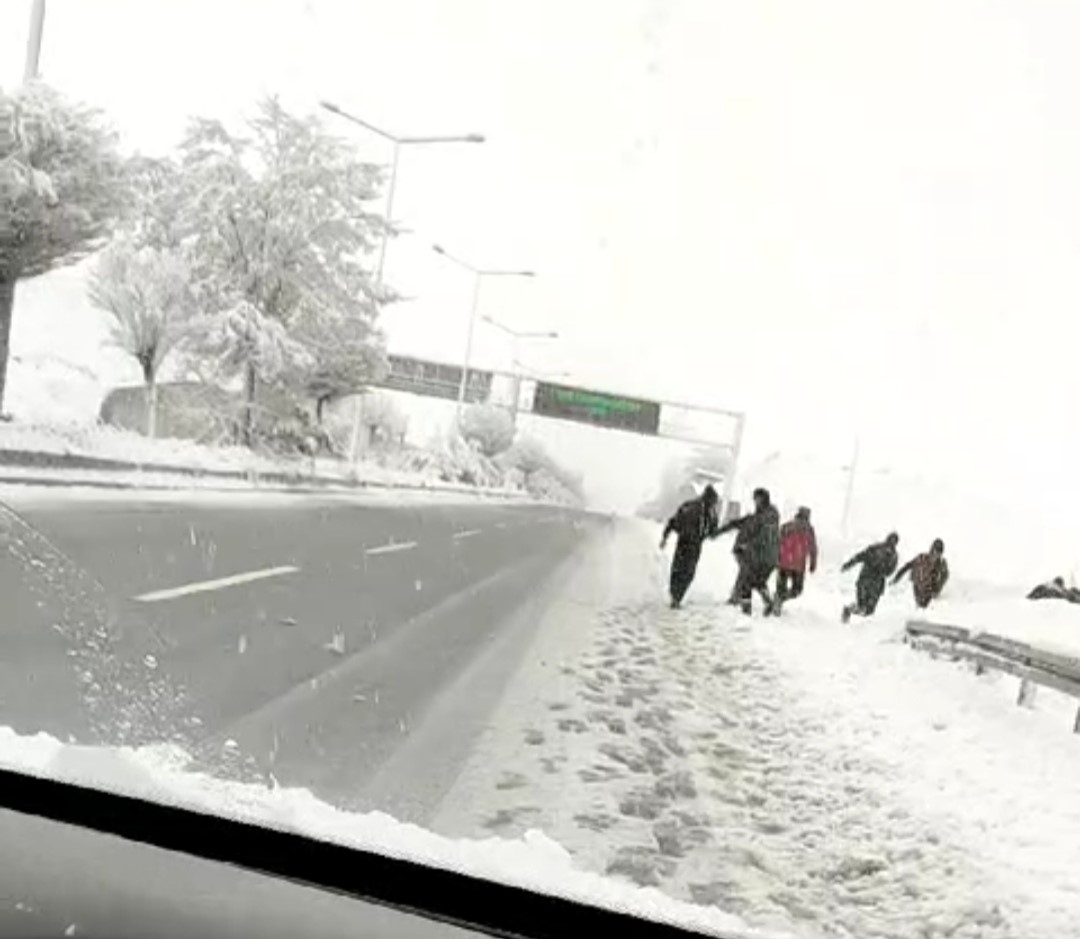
x: 929, y: 574
x: 757, y: 551
x: 878, y: 563
x: 693, y: 522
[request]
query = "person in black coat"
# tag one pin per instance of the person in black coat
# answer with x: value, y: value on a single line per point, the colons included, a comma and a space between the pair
x: 757, y: 552
x: 692, y: 523
x: 878, y: 562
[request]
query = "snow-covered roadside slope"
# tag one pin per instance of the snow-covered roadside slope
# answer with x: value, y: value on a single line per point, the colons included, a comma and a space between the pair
x: 812, y: 778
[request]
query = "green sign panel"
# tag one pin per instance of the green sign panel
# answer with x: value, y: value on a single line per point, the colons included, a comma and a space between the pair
x: 598, y: 408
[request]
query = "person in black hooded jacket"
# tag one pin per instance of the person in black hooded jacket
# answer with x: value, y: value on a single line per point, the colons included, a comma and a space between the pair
x: 757, y: 552
x: 692, y: 523
x: 878, y: 562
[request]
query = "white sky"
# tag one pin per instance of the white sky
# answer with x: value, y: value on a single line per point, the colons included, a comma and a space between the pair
x: 836, y: 214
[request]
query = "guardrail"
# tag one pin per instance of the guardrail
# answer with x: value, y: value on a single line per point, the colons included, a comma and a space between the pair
x: 1033, y: 666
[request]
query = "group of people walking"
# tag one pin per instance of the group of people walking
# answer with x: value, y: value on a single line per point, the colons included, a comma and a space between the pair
x: 763, y: 546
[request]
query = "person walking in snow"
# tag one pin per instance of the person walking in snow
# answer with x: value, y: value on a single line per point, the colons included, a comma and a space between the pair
x: 693, y: 522
x: 929, y: 574
x: 798, y: 547
x: 878, y: 563
x: 757, y: 551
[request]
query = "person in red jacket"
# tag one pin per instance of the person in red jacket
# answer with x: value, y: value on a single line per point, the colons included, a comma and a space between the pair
x: 798, y: 547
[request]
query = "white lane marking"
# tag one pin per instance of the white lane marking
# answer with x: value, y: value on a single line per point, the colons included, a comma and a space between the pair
x: 205, y: 585
x: 467, y: 534
x: 392, y: 548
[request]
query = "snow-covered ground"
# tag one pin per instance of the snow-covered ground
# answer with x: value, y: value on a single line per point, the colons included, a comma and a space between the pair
x: 806, y: 778
x: 810, y: 777
x: 534, y: 861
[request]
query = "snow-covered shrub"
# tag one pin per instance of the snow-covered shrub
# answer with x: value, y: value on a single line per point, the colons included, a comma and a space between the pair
x: 490, y: 427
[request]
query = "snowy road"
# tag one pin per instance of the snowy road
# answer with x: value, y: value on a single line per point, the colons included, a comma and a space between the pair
x: 307, y: 637
x: 812, y: 778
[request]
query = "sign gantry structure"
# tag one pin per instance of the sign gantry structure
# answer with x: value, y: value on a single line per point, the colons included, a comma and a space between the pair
x: 712, y: 428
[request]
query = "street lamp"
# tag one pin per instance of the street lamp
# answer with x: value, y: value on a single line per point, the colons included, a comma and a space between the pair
x: 33, y: 42
x: 478, y: 275
x: 398, y: 143
x: 516, y: 337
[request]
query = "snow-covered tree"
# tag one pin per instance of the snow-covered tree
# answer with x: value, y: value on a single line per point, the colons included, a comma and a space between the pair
x: 147, y: 293
x: 347, y: 356
x: 61, y: 188
x: 153, y: 212
x: 279, y: 233
x: 543, y: 476
x: 490, y: 427
x: 382, y: 419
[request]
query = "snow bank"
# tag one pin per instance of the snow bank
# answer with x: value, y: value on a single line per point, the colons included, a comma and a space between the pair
x: 533, y: 861
x: 1047, y: 624
x: 100, y: 440
x: 438, y: 470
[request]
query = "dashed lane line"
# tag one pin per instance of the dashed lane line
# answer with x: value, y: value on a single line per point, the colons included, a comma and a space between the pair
x: 219, y: 583
x: 391, y: 548
x: 472, y: 532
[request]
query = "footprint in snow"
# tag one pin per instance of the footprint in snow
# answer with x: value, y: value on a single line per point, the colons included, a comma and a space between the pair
x: 645, y: 866
x: 596, y: 821
x: 504, y: 818
x: 512, y: 781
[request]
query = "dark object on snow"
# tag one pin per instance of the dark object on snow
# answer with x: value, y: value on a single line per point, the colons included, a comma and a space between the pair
x: 798, y: 547
x: 692, y: 523
x: 878, y: 563
x: 1055, y: 590
x: 929, y: 574
x: 757, y: 551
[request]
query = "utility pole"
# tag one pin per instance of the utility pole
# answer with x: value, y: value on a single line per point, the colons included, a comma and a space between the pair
x: 848, y: 496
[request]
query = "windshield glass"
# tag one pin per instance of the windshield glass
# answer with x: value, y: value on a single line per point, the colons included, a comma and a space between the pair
x: 618, y: 448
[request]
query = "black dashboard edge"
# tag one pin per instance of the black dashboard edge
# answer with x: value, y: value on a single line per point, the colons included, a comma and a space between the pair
x: 433, y: 893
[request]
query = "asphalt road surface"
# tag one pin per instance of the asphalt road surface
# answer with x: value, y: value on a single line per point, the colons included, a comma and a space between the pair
x: 351, y: 645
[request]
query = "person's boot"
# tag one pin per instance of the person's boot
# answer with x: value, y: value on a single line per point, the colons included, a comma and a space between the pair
x: 747, y: 607
x: 845, y: 617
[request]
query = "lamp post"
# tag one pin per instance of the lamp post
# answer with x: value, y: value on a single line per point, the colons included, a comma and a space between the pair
x: 33, y: 42
x: 478, y: 276
x: 398, y: 143
x: 516, y: 337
